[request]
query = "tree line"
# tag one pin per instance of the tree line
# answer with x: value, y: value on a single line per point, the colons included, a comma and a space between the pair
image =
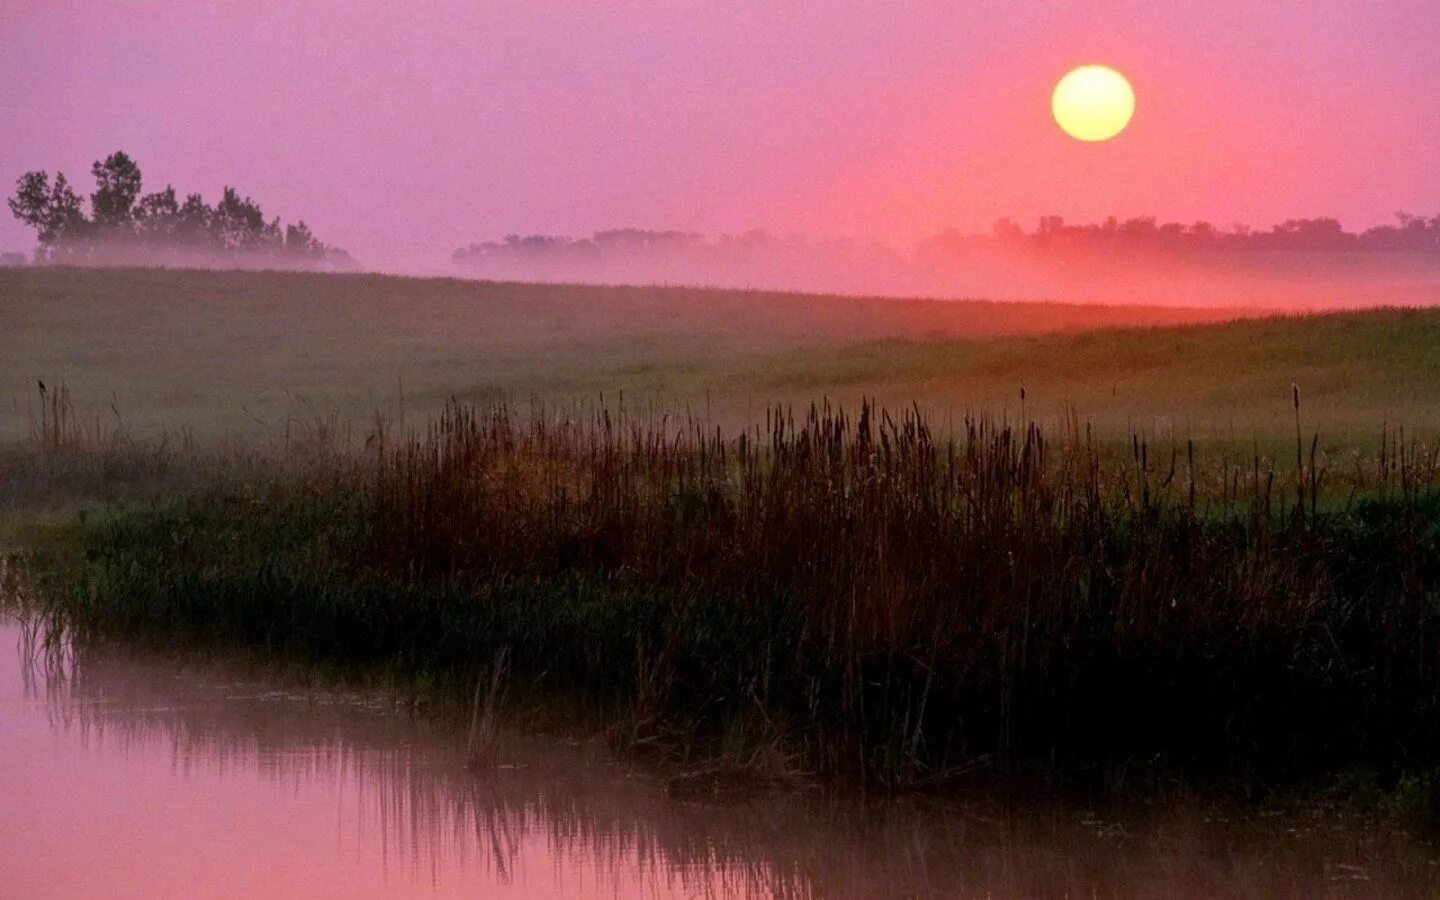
x: 620, y: 241
x: 672, y: 257
x: 125, y: 225
x: 1409, y: 234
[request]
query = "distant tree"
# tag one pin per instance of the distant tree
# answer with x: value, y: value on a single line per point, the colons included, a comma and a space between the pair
x: 157, y: 223
x: 31, y: 203
x: 1411, y: 234
x: 192, y: 225
x: 299, y: 242
x: 156, y: 217
x: 1415, y: 232
x: 631, y: 239
x: 1138, y: 229
x: 1006, y: 229
x: 239, y: 225
x: 117, y: 186
x: 1311, y: 234
x: 52, y: 210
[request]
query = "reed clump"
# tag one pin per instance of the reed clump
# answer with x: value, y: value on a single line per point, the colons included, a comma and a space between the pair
x: 854, y: 593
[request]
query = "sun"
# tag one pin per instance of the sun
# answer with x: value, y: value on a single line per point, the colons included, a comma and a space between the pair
x: 1093, y: 103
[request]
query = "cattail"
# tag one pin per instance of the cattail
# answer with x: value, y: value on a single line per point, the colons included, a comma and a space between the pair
x: 1299, y: 449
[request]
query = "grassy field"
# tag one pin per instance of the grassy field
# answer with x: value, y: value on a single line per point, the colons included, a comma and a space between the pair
x: 245, y: 353
x: 241, y: 352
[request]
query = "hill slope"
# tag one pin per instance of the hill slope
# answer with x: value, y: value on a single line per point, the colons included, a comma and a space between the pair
x: 244, y: 352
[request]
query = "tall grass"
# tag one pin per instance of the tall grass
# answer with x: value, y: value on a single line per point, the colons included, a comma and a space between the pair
x: 855, y: 592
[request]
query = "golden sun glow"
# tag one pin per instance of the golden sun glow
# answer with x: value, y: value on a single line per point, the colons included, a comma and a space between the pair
x: 1093, y: 103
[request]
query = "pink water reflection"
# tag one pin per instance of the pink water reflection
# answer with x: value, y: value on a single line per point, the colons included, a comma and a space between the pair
x: 127, y: 777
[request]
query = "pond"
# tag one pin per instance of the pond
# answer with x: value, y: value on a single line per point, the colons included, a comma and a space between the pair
x: 129, y: 775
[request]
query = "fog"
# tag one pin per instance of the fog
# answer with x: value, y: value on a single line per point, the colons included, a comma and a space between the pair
x: 1279, y: 279
x: 967, y: 267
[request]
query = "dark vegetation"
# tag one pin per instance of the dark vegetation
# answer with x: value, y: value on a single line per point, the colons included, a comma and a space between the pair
x: 127, y: 227
x: 850, y: 592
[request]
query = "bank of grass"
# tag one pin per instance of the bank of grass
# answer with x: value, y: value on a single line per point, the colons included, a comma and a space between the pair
x: 850, y: 592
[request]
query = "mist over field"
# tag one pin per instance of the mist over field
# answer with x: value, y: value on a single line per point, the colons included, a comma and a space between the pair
x: 955, y: 266
x: 404, y: 137
x: 1296, y: 265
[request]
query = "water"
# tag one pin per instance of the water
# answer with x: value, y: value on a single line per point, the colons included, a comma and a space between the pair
x: 128, y: 776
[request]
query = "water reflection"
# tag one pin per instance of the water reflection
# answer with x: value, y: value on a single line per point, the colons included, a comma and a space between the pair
x: 135, y: 776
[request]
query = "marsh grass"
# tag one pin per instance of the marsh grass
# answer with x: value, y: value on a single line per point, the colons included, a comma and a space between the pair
x: 849, y: 592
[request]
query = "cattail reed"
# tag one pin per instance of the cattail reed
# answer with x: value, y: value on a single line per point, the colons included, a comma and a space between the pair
x: 884, y: 600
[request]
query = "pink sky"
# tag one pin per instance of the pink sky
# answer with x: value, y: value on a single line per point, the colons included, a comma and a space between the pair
x: 403, y: 130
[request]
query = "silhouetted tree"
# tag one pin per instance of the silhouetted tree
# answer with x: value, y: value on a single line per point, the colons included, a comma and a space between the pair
x: 117, y: 185
x: 299, y: 242
x: 192, y: 224
x: 52, y: 210
x: 156, y: 217
x: 239, y: 225
x: 157, y: 224
x: 1412, y: 234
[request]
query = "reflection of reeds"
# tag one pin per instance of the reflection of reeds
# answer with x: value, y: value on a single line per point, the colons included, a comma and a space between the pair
x: 566, y: 808
x: 855, y: 590
x: 485, y: 713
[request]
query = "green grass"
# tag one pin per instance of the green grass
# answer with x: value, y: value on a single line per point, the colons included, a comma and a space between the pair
x: 1212, y: 382
x: 251, y: 354
x: 225, y: 353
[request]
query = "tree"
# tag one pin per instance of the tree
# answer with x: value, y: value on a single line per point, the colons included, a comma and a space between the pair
x: 1311, y: 234
x: 192, y: 224
x: 158, y: 222
x: 117, y: 185
x: 239, y: 225
x: 300, y: 242
x: 31, y: 203
x: 52, y: 210
x: 157, y: 215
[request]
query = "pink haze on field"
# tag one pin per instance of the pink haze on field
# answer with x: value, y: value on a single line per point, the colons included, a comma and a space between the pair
x: 403, y: 131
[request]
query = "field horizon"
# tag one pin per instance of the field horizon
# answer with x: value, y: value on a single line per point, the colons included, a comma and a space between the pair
x: 246, y: 355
